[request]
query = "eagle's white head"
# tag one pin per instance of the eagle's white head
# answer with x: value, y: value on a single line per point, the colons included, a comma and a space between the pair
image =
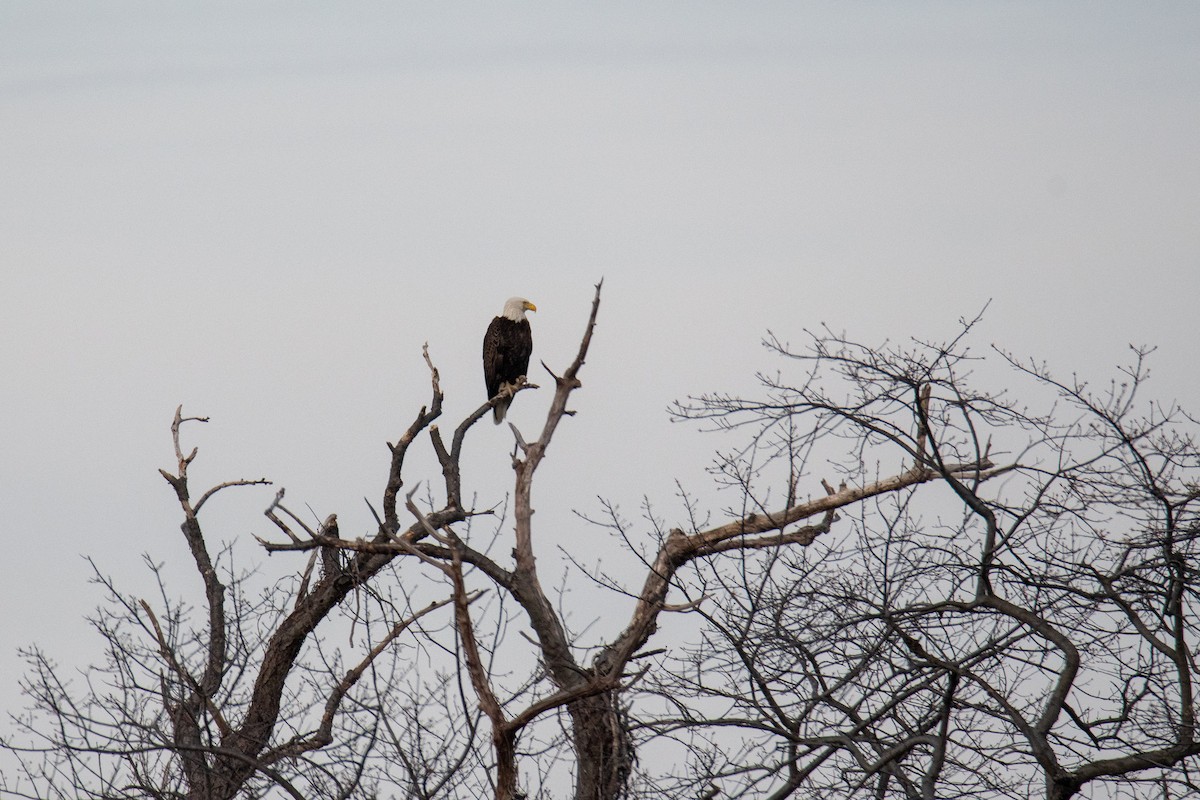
x: 516, y: 307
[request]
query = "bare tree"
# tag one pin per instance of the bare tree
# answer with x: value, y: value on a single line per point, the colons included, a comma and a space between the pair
x: 968, y: 637
x: 223, y: 705
x: 975, y: 601
x: 248, y: 703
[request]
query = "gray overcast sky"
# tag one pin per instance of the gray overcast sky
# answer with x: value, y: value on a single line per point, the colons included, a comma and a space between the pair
x: 263, y: 210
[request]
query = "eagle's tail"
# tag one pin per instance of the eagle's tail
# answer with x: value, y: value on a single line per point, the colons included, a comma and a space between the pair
x: 500, y: 409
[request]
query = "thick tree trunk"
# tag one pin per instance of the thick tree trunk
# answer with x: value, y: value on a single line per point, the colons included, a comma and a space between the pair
x: 602, y: 747
x: 505, y: 747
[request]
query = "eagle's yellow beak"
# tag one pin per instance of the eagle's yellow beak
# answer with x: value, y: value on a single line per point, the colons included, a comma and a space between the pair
x: 530, y: 306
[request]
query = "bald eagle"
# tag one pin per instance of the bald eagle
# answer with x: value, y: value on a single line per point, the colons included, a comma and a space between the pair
x: 506, y: 348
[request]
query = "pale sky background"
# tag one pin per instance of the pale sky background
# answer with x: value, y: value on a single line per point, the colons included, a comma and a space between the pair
x: 262, y: 210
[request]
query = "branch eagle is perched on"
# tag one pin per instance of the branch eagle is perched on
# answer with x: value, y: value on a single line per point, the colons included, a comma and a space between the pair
x: 506, y: 348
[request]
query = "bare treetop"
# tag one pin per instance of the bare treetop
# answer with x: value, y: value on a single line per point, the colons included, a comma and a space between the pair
x: 923, y: 589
